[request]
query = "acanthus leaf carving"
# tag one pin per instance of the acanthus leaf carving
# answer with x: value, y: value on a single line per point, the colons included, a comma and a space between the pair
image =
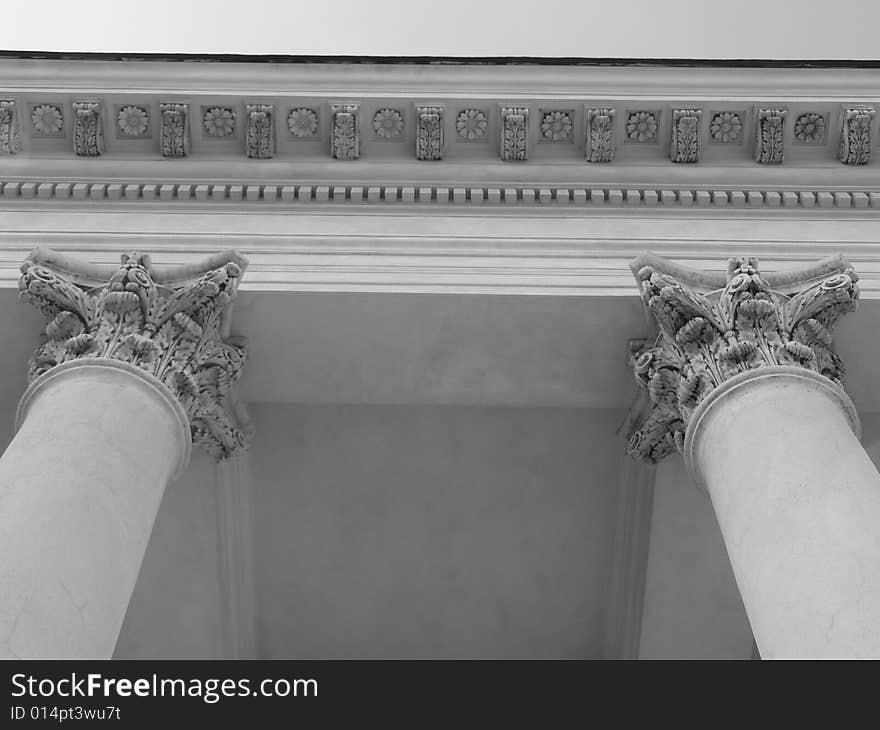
x: 174, y: 132
x: 10, y: 134
x: 709, y: 335
x: 855, y: 135
x: 88, y: 129
x: 172, y: 331
x: 514, y: 133
x: 599, y: 137
x: 684, y: 144
x: 345, y: 137
x: 429, y: 133
x: 260, y: 131
x: 769, y: 135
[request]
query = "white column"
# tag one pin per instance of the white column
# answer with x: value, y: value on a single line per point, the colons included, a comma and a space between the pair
x: 745, y: 382
x: 80, y: 486
x: 133, y: 370
x: 798, y: 503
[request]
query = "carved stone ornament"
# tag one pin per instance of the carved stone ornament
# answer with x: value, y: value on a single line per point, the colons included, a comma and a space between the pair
x: 599, y: 137
x: 712, y: 330
x: 684, y: 143
x: 345, y: 136
x: 514, y: 143
x: 429, y: 133
x: 88, y: 129
x: 10, y: 136
x: 174, y: 130
x: 855, y: 136
x: 48, y: 120
x: 171, y: 322
x: 769, y: 135
x: 260, y: 137
x: 302, y: 122
x: 388, y: 123
x: 132, y: 121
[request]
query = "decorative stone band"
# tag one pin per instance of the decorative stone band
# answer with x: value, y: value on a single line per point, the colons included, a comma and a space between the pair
x: 130, y: 376
x: 681, y: 197
x: 757, y: 378
x: 714, y: 329
x: 170, y: 322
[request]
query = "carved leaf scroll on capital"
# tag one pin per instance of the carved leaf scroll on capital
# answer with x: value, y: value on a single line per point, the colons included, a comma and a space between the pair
x: 173, y: 332
x: 709, y: 336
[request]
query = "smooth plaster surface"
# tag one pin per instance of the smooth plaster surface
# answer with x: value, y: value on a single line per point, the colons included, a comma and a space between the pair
x: 393, y: 532
x: 176, y: 608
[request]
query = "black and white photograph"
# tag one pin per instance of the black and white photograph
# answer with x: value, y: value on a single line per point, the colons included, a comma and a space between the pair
x: 363, y: 331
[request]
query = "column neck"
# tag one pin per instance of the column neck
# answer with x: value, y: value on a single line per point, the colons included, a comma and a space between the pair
x: 749, y: 381
x: 127, y: 376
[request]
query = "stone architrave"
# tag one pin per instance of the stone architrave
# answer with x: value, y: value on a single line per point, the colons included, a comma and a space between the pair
x: 744, y: 380
x: 134, y: 368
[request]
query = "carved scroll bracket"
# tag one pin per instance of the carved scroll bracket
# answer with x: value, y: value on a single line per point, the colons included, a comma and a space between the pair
x: 171, y: 322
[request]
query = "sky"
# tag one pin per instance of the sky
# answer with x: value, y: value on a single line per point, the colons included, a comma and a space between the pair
x: 709, y: 29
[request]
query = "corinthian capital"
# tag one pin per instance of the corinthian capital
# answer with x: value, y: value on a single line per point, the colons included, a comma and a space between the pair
x: 170, y: 322
x: 713, y: 328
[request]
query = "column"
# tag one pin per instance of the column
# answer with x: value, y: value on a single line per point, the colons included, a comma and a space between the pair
x: 744, y: 381
x: 134, y: 369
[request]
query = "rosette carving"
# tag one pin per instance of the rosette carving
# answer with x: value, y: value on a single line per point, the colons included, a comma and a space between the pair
x: 711, y: 331
x: 170, y: 325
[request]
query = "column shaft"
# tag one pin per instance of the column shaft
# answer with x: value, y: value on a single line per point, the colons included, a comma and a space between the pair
x: 80, y: 485
x: 798, y: 503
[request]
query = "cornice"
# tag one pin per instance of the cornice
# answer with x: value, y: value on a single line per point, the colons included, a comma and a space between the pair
x: 381, y: 132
